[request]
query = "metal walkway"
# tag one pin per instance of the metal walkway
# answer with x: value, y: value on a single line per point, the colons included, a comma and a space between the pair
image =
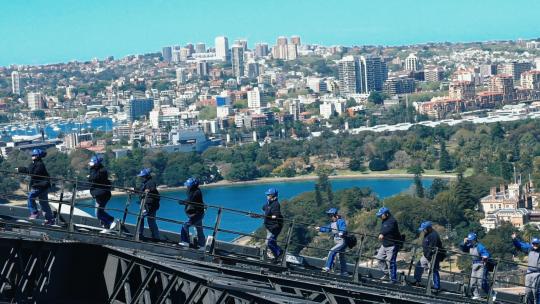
x: 42, y: 264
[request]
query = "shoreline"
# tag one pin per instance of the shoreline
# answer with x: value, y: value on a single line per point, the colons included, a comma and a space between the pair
x: 301, y: 178
x: 267, y: 180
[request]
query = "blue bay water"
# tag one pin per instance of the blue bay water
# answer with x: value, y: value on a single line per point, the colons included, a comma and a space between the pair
x: 248, y: 197
x: 52, y: 129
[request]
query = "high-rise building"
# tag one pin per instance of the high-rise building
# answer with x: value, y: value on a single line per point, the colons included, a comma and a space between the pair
x: 35, y: 101
x: 200, y: 48
x: 261, y: 50
x: 530, y: 80
x: 191, y: 48
x: 202, y: 69
x: 292, y: 52
x: 317, y: 85
x: 16, y: 83
x: 243, y: 43
x: 349, y: 75
x: 374, y: 73
x: 222, y: 48
x: 462, y: 90
x: 399, y: 85
x: 433, y: 74
x: 326, y: 110
x: 502, y: 84
x: 254, y: 98
x: 185, y: 53
x: 252, y: 70
x: 135, y: 108
x: 279, y: 51
x: 515, y: 68
x: 166, y: 53
x: 176, y: 55
x: 411, y: 63
x: 295, y: 40
x: 295, y: 108
x: 487, y: 70
x: 237, y: 56
x: 181, y: 75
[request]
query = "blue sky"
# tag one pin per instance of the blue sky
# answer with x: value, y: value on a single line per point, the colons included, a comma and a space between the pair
x: 40, y: 31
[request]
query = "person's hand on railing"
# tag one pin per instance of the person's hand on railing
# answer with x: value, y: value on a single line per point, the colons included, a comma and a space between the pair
x: 254, y: 215
x: 381, y: 237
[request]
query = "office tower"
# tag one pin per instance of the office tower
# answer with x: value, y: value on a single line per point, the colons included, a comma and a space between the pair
x: 515, y: 69
x: 252, y: 69
x: 349, y: 75
x: 261, y: 50
x: 222, y: 48
x: 237, y: 56
x: 292, y: 52
x: 200, y: 48
x: 399, y: 85
x: 502, y: 84
x: 374, y: 73
x: 135, y: 108
x: 202, y: 69
x: 530, y: 80
x: 176, y: 55
x: 191, y: 48
x: 16, y: 83
x: 295, y: 108
x: 462, y: 90
x: 326, y: 110
x: 433, y: 74
x: 295, y: 40
x: 281, y: 40
x: 243, y: 43
x: 487, y: 70
x: 279, y: 51
x: 254, y: 98
x: 181, y: 75
x: 411, y: 63
x: 185, y: 53
x: 35, y: 101
x: 166, y: 53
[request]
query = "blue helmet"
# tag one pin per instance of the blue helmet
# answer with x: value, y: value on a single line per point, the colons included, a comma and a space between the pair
x: 535, y: 240
x: 272, y: 192
x: 472, y: 236
x: 39, y: 153
x: 95, y: 160
x: 382, y: 210
x: 191, y: 182
x: 144, y: 172
x: 425, y: 225
x: 332, y: 211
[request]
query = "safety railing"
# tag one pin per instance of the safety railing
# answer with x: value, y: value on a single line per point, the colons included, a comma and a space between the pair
x: 506, y: 273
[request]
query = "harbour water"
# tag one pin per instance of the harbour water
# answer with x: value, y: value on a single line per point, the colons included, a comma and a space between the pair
x: 248, y: 198
x: 52, y: 129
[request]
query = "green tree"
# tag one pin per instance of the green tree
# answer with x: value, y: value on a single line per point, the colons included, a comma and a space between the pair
x: 378, y: 164
x: 437, y: 186
x: 418, y: 186
x: 377, y: 97
x: 356, y: 164
x: 445, y: 163
x: 464, y: 194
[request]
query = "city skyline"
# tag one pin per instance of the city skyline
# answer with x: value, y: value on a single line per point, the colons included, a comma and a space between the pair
x: 40, y: 32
